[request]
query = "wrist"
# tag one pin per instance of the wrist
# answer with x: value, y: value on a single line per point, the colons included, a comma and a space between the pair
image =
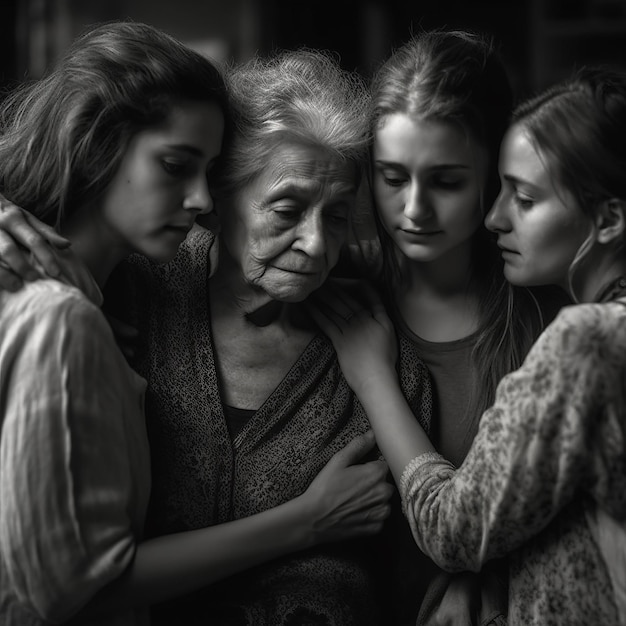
x: 303, y: 525
x: 372, y: 382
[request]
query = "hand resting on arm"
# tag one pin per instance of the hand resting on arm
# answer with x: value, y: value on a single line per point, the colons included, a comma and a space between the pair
x: 366, y: 344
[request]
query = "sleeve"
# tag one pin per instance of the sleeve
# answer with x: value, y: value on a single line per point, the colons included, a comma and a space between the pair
x: 65, y: 530
x: 532, y: 452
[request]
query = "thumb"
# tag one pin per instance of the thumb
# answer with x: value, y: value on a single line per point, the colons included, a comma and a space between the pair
x: 48, y: 233
x: 322, y: 319
x: 355, y: 450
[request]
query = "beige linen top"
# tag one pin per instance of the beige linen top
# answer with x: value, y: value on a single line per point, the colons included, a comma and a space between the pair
x: 74, y: 458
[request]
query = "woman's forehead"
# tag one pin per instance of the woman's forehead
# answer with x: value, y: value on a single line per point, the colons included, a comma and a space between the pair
x: 308, y: 166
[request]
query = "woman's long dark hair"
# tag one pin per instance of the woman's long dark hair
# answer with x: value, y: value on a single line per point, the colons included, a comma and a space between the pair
x: 62, y: 138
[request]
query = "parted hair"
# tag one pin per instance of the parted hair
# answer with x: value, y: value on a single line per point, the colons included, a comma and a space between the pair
x: 458, y: 77
x: 454, y: 76
x: 301, y: 95
x: 579, y: 128
x: 63, y: 137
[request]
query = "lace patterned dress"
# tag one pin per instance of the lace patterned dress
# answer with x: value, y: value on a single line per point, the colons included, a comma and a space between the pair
x: 201, y: 477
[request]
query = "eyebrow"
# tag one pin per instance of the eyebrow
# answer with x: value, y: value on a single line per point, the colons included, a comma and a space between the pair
x: 301, y: 189
x: 516, y: 180
x: 442, y: 166
x: 184, y: 147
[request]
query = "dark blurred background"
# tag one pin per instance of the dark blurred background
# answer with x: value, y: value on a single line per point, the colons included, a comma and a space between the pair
x: 541, y: 40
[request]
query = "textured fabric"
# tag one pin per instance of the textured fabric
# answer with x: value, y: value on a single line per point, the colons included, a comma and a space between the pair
x: 450, y: 367
x: 610, y: 536
x: 74, y: 463
x: 550, y: 450
x: 422, y: 586
x: 200, y: 478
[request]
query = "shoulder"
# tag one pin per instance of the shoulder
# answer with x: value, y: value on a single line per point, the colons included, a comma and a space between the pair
x: 196, y: 257
x: 582, y: 344
x: 197, y: 249
x: 47, y: 299
x: 49, y: 318
x: 587, y: 327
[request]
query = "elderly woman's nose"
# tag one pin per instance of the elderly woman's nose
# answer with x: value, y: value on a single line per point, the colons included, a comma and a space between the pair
x: 311, y: 237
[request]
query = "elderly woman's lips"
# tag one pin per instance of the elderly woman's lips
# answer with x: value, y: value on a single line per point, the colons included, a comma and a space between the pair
x: 295, y: 270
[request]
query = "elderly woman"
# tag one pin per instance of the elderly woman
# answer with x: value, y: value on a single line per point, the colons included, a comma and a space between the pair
x: 246, y: 401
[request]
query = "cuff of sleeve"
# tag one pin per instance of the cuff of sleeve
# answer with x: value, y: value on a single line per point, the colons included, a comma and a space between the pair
x: 413, y: 466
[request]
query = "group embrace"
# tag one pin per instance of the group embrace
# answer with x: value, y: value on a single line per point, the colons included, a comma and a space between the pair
x: 221, y: 404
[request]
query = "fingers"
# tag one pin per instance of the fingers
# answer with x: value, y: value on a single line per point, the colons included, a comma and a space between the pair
x: 373, y: 520
x: 350, y: 498
x: 321, y: 319
x: 341, y: 300
x: 14, y: 219
x: 369, y: 480
x: 353, y: 451
x: 327, y: 318
x: 373, y: 300
x: 19, y: 230
x: 47, y: 232
x: 336, y: 298
x: 375, y: 507
x: 15, y: 259
x: 9, y: 281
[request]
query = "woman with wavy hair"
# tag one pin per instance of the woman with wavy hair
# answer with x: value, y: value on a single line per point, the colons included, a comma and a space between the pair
x: 440, y: 106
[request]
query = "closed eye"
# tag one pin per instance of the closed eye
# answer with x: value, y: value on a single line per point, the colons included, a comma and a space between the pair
x: 391, y: 176
x: 174, y: 167
x: 287, y: 213
x: 448, y: 183
x: 523, y: 201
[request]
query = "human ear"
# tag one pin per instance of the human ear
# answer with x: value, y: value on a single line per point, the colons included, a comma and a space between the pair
x: 611, y: 221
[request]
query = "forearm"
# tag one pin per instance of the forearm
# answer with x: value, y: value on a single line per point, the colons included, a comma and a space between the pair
x: 172, y: 565
x: 398, y: 433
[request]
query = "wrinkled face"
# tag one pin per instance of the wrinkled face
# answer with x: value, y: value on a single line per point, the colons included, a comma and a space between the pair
x: 540, y: 226
x: 428, y: 177
x: 285, y: 229
x: 161, y: 184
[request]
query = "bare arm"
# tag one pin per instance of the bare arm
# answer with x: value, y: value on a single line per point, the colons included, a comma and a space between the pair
x: 65, y: 529
x: 345, y: 500
x: 365, y: 341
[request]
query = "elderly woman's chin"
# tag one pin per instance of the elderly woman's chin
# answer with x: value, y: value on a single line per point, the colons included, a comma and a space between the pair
x: 292, y: 287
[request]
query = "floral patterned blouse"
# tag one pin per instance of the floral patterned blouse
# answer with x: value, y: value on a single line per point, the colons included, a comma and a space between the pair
x: 545, y: 479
